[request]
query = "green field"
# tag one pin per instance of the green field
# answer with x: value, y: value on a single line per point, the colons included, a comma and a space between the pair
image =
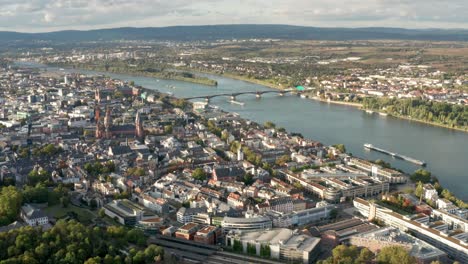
x: 57, y: 211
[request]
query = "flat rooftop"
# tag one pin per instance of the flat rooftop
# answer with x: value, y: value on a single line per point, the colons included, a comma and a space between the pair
x: 285, y: 237
x: 419, y: 248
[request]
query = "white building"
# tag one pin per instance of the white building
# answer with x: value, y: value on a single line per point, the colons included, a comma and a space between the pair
x: 251, y: 223
x: 430, y: 193
x: 299, y: 218
x: 33, y: 216
x: 455, y: 246
x: 284, y: 244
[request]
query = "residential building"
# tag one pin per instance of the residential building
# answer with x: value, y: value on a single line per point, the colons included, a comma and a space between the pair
x: 187, y: 231
x: 33, y: 216
x: 208, y: 235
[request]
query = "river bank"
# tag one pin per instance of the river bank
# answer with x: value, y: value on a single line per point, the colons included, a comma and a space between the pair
x: 357, y: 105
x: 176, y: 76
x: 430, y: 123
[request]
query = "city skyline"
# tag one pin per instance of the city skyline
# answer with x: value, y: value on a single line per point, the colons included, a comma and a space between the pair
x: 55, y: 15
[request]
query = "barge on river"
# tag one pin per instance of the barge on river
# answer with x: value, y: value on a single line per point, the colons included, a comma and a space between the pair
x: 395, y: 155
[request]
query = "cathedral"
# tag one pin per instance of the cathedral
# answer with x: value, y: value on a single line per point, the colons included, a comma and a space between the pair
x: 106, y: 130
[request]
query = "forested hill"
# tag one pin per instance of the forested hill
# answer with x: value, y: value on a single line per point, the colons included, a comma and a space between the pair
x: 188, y: 33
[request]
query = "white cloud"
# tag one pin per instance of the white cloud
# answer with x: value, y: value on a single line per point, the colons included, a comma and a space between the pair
x: 47, y: 15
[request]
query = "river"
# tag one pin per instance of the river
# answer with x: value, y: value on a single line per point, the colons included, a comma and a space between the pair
x: 444, y: 150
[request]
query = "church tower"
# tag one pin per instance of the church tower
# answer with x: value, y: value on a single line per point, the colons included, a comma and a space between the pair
x: 108, y: 123
x: 140, y: 132
x: 240, y: 154
x: 97, y: 95
x: 97, y: 113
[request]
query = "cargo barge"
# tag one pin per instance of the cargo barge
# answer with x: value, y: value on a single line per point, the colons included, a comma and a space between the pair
x: 395, y: 155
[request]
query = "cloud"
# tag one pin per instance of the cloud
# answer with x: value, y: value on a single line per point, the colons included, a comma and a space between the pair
x: 47, y: 15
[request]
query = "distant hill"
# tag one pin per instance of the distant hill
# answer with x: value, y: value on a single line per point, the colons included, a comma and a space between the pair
x: 189, y: 33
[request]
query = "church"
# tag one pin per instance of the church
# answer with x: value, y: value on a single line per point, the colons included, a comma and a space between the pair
x: 106, y: 130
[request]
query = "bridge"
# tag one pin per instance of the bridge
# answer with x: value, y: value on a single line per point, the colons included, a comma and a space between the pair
x: 233, y: 96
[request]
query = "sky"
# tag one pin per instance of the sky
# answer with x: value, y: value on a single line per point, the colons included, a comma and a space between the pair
x: 53, y: 15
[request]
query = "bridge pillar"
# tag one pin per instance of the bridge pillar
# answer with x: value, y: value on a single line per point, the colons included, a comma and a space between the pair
x: 233, y: 98
x: 207, y: 100
x: 258, y: 95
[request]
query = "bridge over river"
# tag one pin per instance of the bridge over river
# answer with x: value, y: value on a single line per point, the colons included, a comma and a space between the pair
x: 258, y: 94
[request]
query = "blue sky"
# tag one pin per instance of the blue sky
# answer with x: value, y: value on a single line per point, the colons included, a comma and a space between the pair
x: 50, y: 15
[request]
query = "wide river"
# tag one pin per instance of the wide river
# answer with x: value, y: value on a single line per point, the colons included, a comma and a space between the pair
x: 444, y: 150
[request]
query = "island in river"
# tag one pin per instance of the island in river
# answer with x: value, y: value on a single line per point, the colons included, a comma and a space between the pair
x: 138, y: 70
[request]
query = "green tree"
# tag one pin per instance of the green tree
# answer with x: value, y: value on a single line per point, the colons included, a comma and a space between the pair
x: 37, y: 194
x: 136, y: 236
x: 199, y: 174
x: 168, y: 129
x: 248, y: 179
x: 421, y: 175
x: 395, y: 255
x: 251, y: 249
x: 344, y: 254
x: 269, y: 124
x: 419, y: 189
x: 237, y: 246
x: 10, y: 204
x: 38, y: 176
x: 365, y: 256
x: 340, y: 147
x: 265, y: 251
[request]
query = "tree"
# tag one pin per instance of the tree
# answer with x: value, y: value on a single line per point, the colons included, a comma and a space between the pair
x: 102, y: 213
x: 152, y: 252
x: 419, y: 189
x: 65, y: 201
x: 395, y: 255
x: 237, y: 246
x: 365, y: 256
x: 438, y: 187
x: 265, y: 251
x: 10, y: 204
x: 340, y: 147
x: 344, y: 254
x: 282, y: 160
x: 168, y: 129
x: 199, y: 174
x: 421, y: 175
x: 37, y: 194
x: 333, y: 213
x: 251, y: 249
x: 136, y: 236
x: 95, y: 260
x: 248, y: 179
x: 269, y: 124
x: 37, y: 176
x: 139, y: 257
x: 93, y: 204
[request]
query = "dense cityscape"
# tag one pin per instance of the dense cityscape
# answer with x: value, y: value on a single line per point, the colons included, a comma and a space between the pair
x: 192, y: 179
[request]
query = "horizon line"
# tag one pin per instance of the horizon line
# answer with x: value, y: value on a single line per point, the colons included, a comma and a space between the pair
x: 254, y: 24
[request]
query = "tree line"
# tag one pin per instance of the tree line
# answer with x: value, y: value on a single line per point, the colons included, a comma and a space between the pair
x: 452, y: 115
x: 72, y: 242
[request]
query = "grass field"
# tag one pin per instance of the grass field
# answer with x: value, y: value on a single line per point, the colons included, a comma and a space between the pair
x: 57, y: 211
